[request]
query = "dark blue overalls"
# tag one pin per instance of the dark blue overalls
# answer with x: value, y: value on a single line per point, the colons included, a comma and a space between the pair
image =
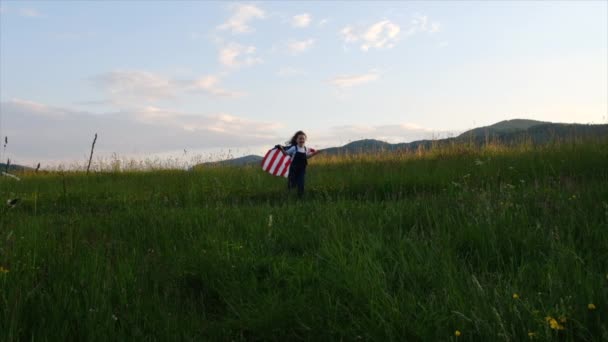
x: 297, y: 171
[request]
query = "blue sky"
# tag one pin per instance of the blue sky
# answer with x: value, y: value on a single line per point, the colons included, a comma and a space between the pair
x: 154, y: 78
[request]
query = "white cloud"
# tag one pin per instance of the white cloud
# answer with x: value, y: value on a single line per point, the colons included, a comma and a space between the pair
x: 242, y: 15
x: 210, y: 84
x: 435, y: 27
x: 301, y: 20
x: 35, y: 108
x: 381, y: 34
x: 39, y: 132
x: 135, y: 85
x: 29, y: 12
x: 347, y: 81
x: 385, y: 34
x: 421, y: 23
x: 221, y: 122
x: 289, y: 71
x: 132, y: 87
x: 323, y: 22
x: 300, y: 46
x: 349, y: 34
x: 235, y: 55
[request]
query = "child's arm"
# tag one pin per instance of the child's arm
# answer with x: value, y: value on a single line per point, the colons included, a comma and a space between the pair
x: 289, y: 151
x: 313, y: 153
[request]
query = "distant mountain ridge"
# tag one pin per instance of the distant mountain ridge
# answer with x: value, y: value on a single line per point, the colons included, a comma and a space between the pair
x: 240, y: 161
x: 506, y: 132
x: 14, y: 167
x: 506, y: 126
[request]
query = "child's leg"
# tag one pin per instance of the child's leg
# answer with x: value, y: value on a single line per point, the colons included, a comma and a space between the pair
x: 291, y: 179
x: 300, y: 182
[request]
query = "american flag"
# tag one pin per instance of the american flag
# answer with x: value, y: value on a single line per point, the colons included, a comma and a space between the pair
x: 276, y: 163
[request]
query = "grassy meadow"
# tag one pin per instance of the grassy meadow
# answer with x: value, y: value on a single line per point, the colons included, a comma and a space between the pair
x: 457, y: 243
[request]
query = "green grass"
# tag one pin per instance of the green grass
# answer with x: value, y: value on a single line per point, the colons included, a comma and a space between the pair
x: 398, y: 247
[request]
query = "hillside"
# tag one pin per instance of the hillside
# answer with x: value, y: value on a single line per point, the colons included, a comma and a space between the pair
x: 361, y: 146
x: 401, y: 247
x: 240, y: 161
x: 14, y: 167
x: 502, y: 127
x: 506, y: 132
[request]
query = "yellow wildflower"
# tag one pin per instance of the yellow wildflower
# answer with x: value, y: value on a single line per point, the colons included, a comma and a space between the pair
x: 457, y: 333
x: 3, y: 270
x: 591, y: 306
x: 554, y: 324
x: 515, y: 296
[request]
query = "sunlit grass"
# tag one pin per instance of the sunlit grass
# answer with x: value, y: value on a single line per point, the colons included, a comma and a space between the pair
x: 457, y: 242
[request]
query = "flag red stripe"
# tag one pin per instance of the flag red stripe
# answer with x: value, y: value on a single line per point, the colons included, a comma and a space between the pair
x: 277, y: 164
x: 271, y: 157
x: 280, y: 166
x: 272, y: 160
x: 264, y: 159
x: 286, y: 169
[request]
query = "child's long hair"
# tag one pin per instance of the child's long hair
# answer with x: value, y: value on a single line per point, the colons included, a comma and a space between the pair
x: 294, y: 139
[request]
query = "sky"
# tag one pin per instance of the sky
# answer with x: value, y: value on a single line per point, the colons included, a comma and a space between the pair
x: 161, y: 79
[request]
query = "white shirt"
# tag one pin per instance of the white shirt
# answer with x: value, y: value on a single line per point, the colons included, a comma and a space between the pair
x: 292, y: 150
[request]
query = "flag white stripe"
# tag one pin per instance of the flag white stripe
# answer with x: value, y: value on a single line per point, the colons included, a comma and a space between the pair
x: 276, y: 164
x: 284, y: 162
x: 269, y: 158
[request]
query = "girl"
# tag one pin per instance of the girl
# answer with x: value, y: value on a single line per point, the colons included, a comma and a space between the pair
x: 299, y: 154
